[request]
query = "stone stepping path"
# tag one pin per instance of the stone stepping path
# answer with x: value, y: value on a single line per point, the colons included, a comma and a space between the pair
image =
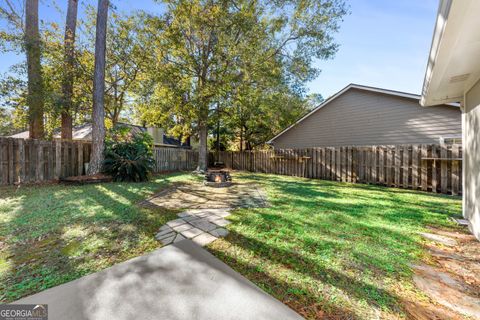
x: 202, y: 226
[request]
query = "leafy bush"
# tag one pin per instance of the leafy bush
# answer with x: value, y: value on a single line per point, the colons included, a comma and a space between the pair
x: 128, y: 156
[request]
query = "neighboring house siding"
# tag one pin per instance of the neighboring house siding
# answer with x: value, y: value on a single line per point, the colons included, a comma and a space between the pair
x: 471, y: 158
x: 359, y: 117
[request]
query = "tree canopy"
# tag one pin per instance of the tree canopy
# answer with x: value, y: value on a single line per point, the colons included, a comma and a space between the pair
x: 233, y: 67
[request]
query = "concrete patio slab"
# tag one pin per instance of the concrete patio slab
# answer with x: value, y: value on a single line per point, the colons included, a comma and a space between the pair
x: 181, y: 281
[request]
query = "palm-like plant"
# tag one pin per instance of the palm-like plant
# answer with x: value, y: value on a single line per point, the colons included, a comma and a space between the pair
x: 129, y: 157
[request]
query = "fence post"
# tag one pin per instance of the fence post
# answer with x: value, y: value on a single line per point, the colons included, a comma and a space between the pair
x: 80, y: 158
x: 455, y: 171
x: 40, y: 161
x: 434, y: 169
x: 406, y: 165
x: 381, y: 165
x: 443, y: 168
x: 415, y: 167
x: 21, y: 159
x: 58, y: 159
x: 10, y: 161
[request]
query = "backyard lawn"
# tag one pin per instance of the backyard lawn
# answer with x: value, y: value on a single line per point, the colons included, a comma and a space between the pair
x: 334, y: 250
x: 327, y: 249
x: 52, y: 234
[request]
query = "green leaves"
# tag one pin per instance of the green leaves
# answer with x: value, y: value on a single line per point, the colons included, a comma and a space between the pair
x: 249, y: 59
x: 128, y: 157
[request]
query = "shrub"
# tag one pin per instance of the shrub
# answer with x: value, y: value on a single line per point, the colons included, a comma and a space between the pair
x: 128, y: 156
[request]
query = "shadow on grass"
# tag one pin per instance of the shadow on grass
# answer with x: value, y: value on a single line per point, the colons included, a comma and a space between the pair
x: 359, y: 239
x: 55, y: 233
x: 300, y: 298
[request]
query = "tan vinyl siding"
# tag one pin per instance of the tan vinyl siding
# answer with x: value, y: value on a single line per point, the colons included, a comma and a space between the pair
x: 359, y: 117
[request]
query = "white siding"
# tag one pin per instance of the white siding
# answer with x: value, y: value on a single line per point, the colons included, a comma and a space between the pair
x: 471, y: 159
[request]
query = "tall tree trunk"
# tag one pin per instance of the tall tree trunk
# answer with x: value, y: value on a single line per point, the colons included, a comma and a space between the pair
x: 35, y: 81
x: 218, y: 132
x: 98, y: 116
x: 202, y: 148
x: 241, y: 138
x: 67, y: 87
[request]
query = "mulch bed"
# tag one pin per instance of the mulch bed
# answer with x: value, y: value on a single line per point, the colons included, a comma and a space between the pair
x: 96, y: 178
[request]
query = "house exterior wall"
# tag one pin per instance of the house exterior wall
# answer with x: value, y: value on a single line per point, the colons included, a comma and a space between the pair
x: 471, y: 159
x: 359, y: 117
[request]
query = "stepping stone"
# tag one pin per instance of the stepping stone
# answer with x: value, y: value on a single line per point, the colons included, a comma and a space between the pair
x: 440, y: 239
x: 223, y: 213
x: 204, y: 239
x: 168, y: 240
x: 203, y: 225
x: 220, y: 232
x: 161, y: 233
x: 179, y: 237
x: 165, y: 235
x: 446, y: 290
x: 202, y: 214
x: 460, y: 221
x: 183, y: 227
x: 176, y: 222
x: 220, y: 222
x: 191, y: 218
x: 185, y: 214
x: 164, y: 227
x: 190, y: 233
x: 193, y: 211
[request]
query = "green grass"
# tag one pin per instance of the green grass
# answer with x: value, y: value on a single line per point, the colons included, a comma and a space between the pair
x: 329, y: 250
x: 51, y: 234
x: 334, y: 250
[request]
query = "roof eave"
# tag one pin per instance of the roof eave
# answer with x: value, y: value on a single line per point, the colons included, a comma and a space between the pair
x: 442, y: 17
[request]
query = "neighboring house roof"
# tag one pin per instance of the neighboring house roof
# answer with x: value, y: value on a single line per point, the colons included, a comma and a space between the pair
x: 341, y: 92
x: 84, y: 132
x: 80, y: 132
x: 453, y: 66
x: 21, y: 135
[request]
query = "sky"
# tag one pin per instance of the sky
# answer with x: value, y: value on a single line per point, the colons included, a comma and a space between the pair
x: 383, y: 43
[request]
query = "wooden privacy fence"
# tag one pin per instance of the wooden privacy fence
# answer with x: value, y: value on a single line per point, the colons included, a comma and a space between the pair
x: 28, y: 160
x: 432, y: 168
x: 174, y: 159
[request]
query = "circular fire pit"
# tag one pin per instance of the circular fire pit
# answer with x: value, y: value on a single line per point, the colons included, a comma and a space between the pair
x: 217, y: 179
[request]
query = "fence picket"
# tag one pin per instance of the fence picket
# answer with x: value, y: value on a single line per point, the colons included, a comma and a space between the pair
x: 415, y: 167
x: 405, y: 166
x: 443, y: 169
x: 434, y: 169
x: 455, y: 170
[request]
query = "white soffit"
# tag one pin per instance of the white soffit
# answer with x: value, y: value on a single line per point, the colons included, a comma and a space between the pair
x: 454, y: 60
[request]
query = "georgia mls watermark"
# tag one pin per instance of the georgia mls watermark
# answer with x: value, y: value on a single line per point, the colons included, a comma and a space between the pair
x: 23, y: 312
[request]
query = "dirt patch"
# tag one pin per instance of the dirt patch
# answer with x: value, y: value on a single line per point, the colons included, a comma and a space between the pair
x: 452, y: 277
x: 96, y: 178
x: 423, y: 311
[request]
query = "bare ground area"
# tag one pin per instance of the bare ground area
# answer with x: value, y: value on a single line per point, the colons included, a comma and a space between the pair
x: 451, y: 277
x: 195, y: 195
